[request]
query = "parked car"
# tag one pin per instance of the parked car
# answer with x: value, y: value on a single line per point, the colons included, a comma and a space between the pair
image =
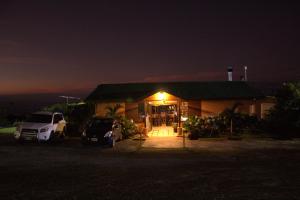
x: 102, y: 131
x: 41, y: 126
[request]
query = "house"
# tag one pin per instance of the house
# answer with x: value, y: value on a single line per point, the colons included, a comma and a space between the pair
x: 156, y: 104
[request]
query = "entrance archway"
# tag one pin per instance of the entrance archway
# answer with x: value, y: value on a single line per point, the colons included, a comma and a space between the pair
x: 162, y: 114
x: 162, y: 118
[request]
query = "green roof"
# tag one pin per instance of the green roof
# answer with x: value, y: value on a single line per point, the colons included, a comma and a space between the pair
x: 186, y: 90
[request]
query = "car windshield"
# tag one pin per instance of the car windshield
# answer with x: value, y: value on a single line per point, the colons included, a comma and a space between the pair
x: 39, y: 118
x: 101, y: 123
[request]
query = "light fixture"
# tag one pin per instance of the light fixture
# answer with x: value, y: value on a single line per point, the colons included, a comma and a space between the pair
x: 161, y: 96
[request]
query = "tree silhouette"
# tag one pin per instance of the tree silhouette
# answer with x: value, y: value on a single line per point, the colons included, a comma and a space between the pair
x: 229, y: 114
x: 113, y: 111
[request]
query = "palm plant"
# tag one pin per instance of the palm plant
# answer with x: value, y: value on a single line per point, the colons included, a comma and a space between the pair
x: 128, y: 127
x: 113, y: 111
x: 229, y: 114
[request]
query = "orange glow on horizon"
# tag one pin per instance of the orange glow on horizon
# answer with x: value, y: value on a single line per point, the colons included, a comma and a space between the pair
x: 8, y: 88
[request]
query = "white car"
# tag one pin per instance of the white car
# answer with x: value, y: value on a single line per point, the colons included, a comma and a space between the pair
x: 41, y: 126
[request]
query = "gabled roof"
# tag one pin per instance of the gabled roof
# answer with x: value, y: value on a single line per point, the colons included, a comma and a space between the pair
x: 186, y: 90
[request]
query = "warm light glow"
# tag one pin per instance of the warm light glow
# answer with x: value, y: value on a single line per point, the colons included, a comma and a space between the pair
x: 161, y: 96
x: 162, y: 131
x: 183, y: 118
x: 159, y: 103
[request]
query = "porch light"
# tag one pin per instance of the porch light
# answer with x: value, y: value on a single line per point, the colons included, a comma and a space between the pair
x: 162, y: 96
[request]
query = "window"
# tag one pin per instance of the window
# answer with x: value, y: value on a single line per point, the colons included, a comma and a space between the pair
x: 184, y: 109
x: 39, y: 118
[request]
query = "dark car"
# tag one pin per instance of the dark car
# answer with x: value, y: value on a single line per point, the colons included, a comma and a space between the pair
x: 101, y: 131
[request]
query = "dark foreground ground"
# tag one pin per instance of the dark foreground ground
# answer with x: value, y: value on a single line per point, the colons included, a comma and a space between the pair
x: 70, y: 171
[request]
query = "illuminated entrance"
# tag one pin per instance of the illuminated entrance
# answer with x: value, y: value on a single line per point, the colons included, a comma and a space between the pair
x: 162, y: 131
x: 162, y: 115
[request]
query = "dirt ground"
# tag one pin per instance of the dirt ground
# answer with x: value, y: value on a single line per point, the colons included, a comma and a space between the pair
x: 70, y: 171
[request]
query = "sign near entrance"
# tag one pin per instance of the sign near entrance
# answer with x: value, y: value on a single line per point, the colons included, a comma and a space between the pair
x: 184, y: 110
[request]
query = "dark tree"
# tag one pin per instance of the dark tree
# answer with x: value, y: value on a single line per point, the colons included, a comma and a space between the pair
x: 284, y: 118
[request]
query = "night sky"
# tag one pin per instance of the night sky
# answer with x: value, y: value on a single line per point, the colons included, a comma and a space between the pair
x: 65, y: 46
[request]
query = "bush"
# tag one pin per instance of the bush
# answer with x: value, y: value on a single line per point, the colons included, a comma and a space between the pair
x: 240, y: 122
x: 204, y: 127
x: 215, y: 126
x: 284, y: 119
x: 128, y: 127
x: 243, y: 123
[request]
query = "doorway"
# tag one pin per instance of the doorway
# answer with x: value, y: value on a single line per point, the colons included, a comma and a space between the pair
x: 162, y: 118
x: 163, y: 115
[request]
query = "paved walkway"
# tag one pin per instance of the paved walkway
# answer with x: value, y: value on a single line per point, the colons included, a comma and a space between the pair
x: 164, y: 142
x: 163, y: 137
x: 162, y: 131
x: 218, y: 144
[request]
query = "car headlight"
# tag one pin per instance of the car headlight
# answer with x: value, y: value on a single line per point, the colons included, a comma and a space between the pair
x: 83, y: 133
x: 44, y: 130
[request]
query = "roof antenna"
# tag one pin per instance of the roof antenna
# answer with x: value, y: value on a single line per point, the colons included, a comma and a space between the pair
x: 245, y: 75
x: 229, y: 71
x: 68, y: 97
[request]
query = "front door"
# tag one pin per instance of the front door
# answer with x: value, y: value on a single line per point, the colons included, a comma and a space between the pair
x: 162, y: 119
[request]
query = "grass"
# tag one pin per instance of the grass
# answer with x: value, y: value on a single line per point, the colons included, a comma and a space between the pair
x: 9, y: 130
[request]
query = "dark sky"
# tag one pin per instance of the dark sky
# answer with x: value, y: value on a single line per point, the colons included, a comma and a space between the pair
x: 63, y: 46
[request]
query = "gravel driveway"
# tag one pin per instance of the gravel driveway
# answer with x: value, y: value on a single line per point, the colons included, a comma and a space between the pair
x: 70, y: 171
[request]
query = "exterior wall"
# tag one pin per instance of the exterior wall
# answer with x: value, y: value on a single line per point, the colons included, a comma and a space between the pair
x: 202, y: 108
x: 131, y: 111
x: 265, y: 105
x: 215, y: 107
x: 194, y: 108
x: 101, y: 108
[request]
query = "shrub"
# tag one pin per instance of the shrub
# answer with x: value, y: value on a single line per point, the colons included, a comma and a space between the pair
x: 284, y: 119
x: 204, y: 127
x: 244, y: 123
x: 128, y: 127
x: 217, y: 125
